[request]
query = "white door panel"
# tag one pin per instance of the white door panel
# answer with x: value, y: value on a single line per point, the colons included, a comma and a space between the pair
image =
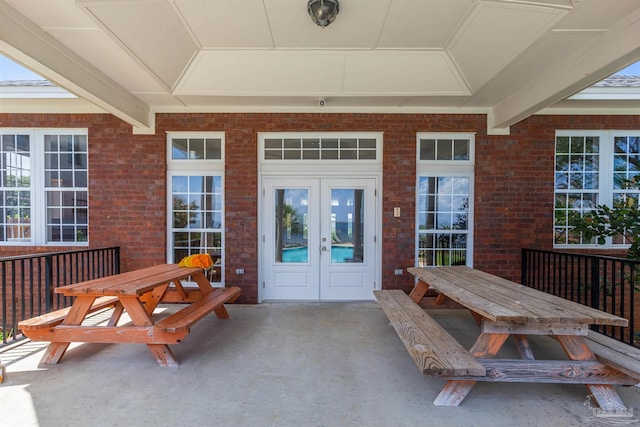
x: 319, y: 239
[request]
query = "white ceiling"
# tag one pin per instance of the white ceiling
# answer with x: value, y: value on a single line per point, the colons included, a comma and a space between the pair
x: 506, y: 58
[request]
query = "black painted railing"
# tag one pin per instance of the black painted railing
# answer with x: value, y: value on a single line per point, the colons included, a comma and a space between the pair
x: 27, y: 283
x: 609, y: 284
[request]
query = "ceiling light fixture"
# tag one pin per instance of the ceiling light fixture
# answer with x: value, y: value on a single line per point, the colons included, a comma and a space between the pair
x: 323, y: 12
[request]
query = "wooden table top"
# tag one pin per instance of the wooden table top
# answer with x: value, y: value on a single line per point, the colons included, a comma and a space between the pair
x: 131, y: 283
x: 499, y: 299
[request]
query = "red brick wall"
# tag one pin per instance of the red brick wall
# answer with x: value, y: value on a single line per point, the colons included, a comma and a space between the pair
x: 513, y: 183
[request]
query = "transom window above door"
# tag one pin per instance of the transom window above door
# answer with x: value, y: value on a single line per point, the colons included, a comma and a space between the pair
x: 320, y: 148
x: 350, y: 153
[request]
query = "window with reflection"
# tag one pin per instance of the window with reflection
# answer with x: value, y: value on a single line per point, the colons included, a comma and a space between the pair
x: 592, y: 168
x: 291, y: 227
x: 196, y: 207
x: 49, y: 166
x: 444, y: 198
x: 66, y: 182
x: 443, y: 220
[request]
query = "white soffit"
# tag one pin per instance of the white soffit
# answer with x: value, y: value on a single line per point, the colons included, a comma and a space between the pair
x: 98, y: 49
x: 226, y: 23
x: 551, y: 49
x: 263, y: 73
x: 422, y: 24
x: 53, y: 13
x: 415, y: 73
x: 495, y: 34
x: 321, y: 73
x: 152, y: 32
x: 591, y: 16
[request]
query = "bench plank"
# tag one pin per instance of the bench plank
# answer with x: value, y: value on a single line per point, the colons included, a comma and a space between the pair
x: 185, y: 318
x: 433, y: 349
x: 616, y: 354
x: 54, y: 318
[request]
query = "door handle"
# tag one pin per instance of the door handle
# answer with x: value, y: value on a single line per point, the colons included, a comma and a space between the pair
x: 323, y: 249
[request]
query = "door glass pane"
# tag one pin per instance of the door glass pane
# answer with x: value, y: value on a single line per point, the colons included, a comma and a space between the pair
x: 347, y: 226
x: 291, y: 228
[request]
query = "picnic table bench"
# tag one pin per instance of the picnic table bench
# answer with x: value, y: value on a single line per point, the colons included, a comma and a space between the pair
x: 137, y: 293
x: 616, y: 354
x: 506, y: 309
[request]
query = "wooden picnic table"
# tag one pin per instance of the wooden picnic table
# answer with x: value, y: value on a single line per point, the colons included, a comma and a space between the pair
x: 137, y: 293
x: 506, y: 309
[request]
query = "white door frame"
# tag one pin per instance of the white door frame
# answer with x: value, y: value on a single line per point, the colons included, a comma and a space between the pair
x: 320, y: 277
x: 339, y: 169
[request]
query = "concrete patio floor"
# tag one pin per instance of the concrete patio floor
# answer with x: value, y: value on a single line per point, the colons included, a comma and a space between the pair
x: 280, y: 364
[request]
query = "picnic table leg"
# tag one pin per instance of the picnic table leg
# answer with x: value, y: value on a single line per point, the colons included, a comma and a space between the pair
x: 139, y: 317
x: 203, y: 283
x: 454, y: 391
x: 54, y: 353
x: 117, y: 313
x: 76, y: 315
x: 604, y: 395
x: 151, y: 299
x: 523, y: 347
x: 163, y: 354
x: 205, y: 287
x: 418, y: 291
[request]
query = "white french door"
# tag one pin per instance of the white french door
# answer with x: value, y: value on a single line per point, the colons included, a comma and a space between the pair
x: 319, y: 238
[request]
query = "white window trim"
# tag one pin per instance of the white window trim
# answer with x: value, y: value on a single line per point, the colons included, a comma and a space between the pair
x: 190, y: 164
x: 445, y: 168
x: 605, y: 178
x: 447, y: 164
x: 295, y: 167
x: 38, y: 205
x: 194, y: 167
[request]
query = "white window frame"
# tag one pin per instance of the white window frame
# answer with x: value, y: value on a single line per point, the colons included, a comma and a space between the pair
x: 297, y: 166
x: 446, y: 168
x: 38, y: 192
x: 605, y: 179
x: 195, y: 167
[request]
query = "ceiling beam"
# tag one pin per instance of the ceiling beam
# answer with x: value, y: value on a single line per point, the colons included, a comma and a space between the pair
x: 25, y: 42
x: 609, y: 53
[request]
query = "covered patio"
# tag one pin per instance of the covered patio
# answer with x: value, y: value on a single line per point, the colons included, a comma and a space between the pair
x: 504, y: 75
x: 285, y: 364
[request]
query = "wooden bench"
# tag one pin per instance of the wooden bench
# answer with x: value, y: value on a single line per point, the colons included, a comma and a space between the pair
x: 54, y: 318
x: 181, y: 321
x: 433, y: 349
x: 616, y: 354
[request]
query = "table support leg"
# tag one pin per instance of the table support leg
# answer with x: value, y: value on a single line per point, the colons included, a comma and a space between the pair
x: 454, y: 392
x: 54, y: 353
x: 221, y: 312
x: 440, y: 299
x: 139, y: 317
x: 163, y: 355
x: 418, y: 292
x: 151, y: 299
x: 523, y: 347
x: 76, y: 316
x: 605, y: 396
x: 117, y: 313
